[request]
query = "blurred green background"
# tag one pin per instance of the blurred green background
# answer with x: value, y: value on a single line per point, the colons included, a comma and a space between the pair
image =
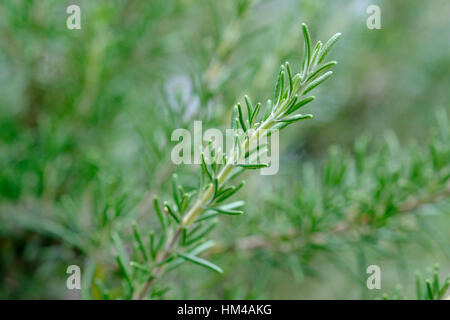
x: 86, y: 117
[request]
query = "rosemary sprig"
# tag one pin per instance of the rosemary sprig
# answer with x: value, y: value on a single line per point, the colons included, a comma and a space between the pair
x: 289, y: 98
x: 193, y: 223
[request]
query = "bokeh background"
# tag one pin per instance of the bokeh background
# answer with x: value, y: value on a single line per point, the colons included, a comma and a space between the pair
x: 86, y: 117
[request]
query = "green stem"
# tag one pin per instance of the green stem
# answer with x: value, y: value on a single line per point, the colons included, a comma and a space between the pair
x: 205, y: 198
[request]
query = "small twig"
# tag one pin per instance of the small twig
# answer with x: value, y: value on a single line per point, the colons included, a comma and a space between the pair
x: 159, y: 269
x: 290, y: 95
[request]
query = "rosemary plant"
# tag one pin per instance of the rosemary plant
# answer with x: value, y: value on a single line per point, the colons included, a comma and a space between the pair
x: 365, y: 191
x: 368, y: 202
x: 85, y: 146
x: 184, y: 226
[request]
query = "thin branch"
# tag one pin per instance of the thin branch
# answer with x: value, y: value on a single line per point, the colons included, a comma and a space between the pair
x: 160, y: 268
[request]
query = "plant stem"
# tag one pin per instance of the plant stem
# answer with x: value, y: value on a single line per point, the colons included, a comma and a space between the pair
x: 160, y: 268
x: 193, y: 213
x: 189, y: 218
x: 284, y: 99
x: 199, y: 206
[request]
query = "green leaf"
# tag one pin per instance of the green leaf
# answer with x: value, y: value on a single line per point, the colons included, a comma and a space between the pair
x: 125, y: 271
x: 229, y: 206
x: 268, y: 109
x: 201, y: 262
x: 151, y: 241
x: 205, y: 167
x: 260, y: 149
x: 419, y: 286
x: 229, y: 192
x: 229, y: 212
x: 185, y: 201
x: 326, y: 66
x: 288, y: 68
x: 296, y: 117
x: 327, y: 47
x: 249, y: 105
x: 255, y: 113
x: 216, y: 187
x: 209, y: 214
x: 170, y: 211
x: 307, y: 39
x: 279, y: 87
x: 317, y: 81
x: 292, y: 102
x: 138, y: 238
x: 444, y: 288
x: 202, y: 247
x: 161, y: 216
x: 122, y: 256
x: 282, y: 85
x: 233, y: 205
x: 436, y: 281
x: 224, y: 193
x: 278, y: 126
x: 176, y: 196
x: 253, y: 166
x: 300, y: 104
x: 198, y: 234
x: 236, y: 143
x: 183, y: 236
x: 241, y: 117
x: 316, y: 53
x: 296, y: 80
x: 429, y: 290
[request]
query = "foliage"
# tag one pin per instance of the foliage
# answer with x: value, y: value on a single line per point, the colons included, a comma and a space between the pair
x: 85, y: 123
x: 192, y: 223
x: 428, y: 288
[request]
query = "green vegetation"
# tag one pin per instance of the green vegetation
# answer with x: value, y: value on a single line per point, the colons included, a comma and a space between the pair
x: 86, y: 176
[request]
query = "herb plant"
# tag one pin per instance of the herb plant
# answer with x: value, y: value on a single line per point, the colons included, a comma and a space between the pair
x: 86, y: 118
x: 183, y: 225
